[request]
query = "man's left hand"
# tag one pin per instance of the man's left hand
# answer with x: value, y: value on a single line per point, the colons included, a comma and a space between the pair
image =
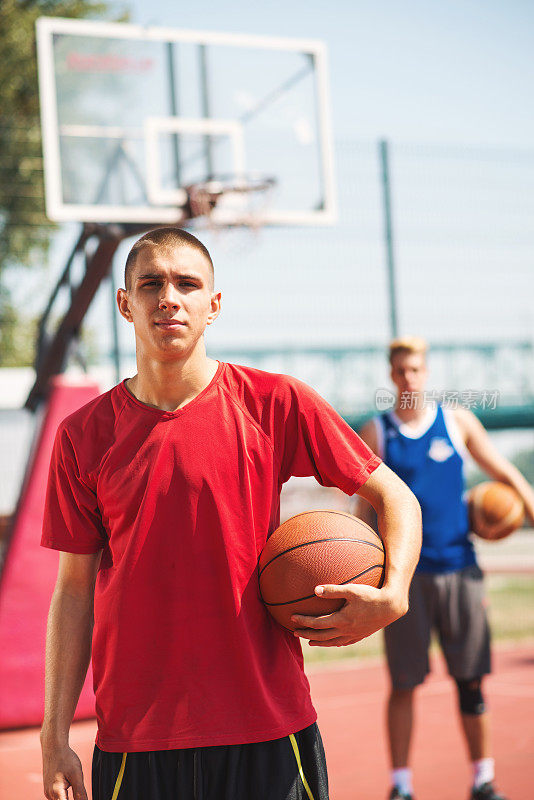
x: 366, y: 610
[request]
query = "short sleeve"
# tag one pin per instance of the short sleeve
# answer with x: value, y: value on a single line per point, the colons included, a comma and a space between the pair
x: 72, y: 520
x: 315, y: 440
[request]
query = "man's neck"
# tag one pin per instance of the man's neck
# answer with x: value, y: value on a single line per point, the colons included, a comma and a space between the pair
x: 411, y: 416
x: 169, y: 385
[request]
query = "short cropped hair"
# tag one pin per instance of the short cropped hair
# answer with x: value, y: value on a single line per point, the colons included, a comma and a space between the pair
x: 161, y: 238
x: 407, y: 344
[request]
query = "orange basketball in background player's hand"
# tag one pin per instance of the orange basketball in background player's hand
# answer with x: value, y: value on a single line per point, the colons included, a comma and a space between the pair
x: 495, y: 510
x: 314, y: 548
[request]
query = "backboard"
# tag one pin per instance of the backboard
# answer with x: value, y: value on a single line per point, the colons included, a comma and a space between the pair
x: 132, y: 116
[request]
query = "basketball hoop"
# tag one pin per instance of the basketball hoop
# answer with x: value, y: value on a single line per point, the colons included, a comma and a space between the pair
x: 230, y: 201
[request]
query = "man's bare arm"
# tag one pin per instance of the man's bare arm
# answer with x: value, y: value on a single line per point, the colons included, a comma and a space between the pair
x: 359, y: 507
x: 68, y: 652
x: 368, y: 609
x: 490, y: 460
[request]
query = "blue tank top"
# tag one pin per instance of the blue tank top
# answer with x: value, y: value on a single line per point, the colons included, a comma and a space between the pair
x: 433, y: 469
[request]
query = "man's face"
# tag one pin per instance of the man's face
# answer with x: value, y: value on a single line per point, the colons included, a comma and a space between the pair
x: 170, y: 300
x: 409, y: 372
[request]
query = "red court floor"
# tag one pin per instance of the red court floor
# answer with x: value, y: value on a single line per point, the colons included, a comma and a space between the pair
x: 351, y: 713
x: 349, y: 700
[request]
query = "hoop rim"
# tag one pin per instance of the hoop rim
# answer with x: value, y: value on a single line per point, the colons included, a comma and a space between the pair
x: 218, y: 185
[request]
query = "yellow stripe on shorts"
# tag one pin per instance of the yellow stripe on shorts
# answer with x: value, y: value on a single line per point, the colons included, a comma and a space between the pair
x: 295, y: 747
x: 118, y: 782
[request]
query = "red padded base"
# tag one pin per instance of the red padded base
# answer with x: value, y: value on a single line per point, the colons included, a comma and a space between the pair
x: 29, y: 576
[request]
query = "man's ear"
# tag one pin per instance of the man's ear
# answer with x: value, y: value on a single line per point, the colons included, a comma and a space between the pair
x: 215, y: 307
x: 124, y: 307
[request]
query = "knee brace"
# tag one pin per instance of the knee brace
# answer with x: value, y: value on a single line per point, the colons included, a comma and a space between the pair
x: 471, y: 697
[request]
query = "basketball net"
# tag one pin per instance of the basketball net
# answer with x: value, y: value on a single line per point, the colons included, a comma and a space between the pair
x: 231, y: 207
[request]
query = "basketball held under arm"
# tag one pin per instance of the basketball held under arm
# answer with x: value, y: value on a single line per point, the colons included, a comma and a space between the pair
x: 367, y: 609
x: 490, y: 460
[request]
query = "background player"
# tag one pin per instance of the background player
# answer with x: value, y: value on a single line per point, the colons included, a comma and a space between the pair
x: 425, y: 445
x: 162, y: 492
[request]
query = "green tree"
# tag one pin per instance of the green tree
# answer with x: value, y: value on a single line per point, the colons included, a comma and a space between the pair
x: 25, y: 231
x: 17, y: 335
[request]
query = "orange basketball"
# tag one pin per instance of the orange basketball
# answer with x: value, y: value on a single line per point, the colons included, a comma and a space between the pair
x: 312, y: 548
x: 495, y: 510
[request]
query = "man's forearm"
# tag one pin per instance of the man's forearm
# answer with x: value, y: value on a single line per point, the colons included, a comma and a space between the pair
x: 68, y: 651
x: 511, y: 475
x: 364, y: 511
x: 399, y: 524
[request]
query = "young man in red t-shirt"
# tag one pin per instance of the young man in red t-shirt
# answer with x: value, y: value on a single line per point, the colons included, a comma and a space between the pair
x: 162, y: 493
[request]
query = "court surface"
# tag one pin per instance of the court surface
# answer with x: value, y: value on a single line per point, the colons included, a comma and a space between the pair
x: 349, y: 700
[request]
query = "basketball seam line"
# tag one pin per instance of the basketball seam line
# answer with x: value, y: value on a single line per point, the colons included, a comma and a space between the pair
x: 320, y: 541
x: 310, y: 596
x: 339, y: 513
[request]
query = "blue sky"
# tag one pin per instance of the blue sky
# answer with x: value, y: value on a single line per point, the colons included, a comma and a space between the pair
x: 455, y: 73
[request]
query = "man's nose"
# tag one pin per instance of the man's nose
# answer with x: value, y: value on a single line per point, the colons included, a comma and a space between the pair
x: 169, y: 298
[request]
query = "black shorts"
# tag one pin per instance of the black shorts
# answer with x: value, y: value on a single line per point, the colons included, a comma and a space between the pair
x: 452, y: 604
x: 292, y: 768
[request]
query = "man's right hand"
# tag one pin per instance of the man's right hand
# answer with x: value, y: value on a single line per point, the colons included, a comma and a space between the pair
x: 62, y: 769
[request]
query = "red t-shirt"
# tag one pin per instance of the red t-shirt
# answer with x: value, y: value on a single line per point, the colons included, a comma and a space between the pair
x: 184, y: 652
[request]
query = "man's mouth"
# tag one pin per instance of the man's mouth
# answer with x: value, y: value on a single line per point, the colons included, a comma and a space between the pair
x: 169, y: 323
